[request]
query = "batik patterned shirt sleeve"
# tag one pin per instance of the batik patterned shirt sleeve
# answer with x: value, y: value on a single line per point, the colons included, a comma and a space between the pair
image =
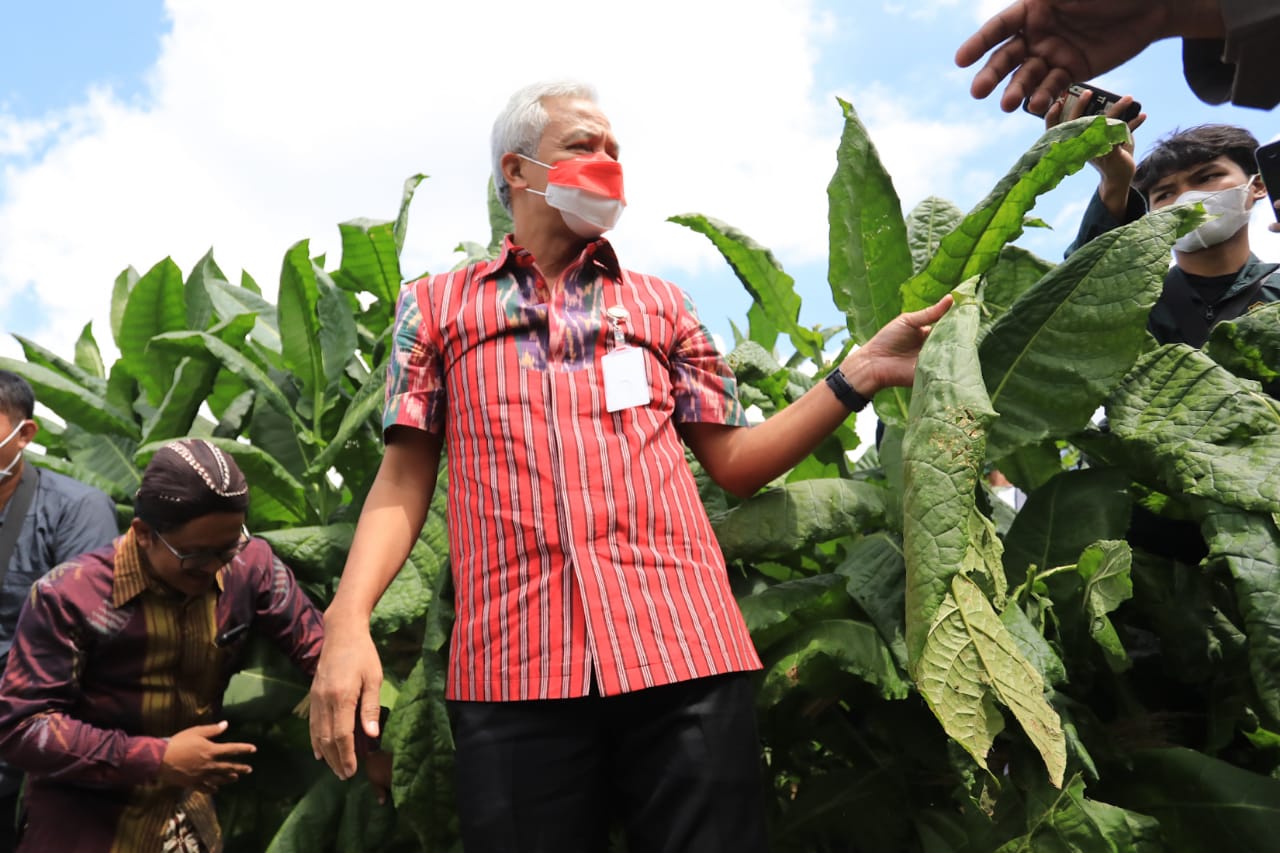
x: 703, y: 385
x: 41, y: 685
x: 415, y: 375
x: 285, y: 615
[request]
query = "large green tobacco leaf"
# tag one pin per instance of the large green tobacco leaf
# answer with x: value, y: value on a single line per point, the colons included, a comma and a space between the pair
x: 1011, y: 276
x: 370, y: 260
x: 316, y: 554
x: 1202, y: 430
x: 253, y: 374
x: 927, y: 223
x: 203, y: 275
x: 229, y: 301
x: 796, y: 515
x: 809, y: 658
x: 962, y: 657
x: 869, y: 258
x: 88, y: 357
x: 193, y: 383
x: 37, y: 354
x: 108, y: 458
x: 969, y: 662
x: 157, y: 304
x: 1203, y: 804
x: 120, y: 290
x: 875, y: 574
x: 975, y: 245
x: 1249, y: 346
x: 771, y: 288
x: 1066, y: 821
x: 300, y: 334
x: 338, y: 338
x: 1051, y: 360
x: 72, y: 402
x: 1104, y: 567
x: 1249, y: 544
x: 778, y: 610
x: 943, y: 452
x: 1063, y: 517
x: 365, y: 407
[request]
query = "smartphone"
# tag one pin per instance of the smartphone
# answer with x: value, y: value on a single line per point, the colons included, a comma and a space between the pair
x: 1268, y: 157
x: 1099, y: 100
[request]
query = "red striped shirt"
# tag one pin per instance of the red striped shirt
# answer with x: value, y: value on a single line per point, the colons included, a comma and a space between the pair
x: 578, y: 540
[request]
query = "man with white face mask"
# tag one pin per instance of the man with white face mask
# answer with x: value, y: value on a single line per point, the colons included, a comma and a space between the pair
x: 599, y: 665
x: 45, y: 519
x: 1216, y: 276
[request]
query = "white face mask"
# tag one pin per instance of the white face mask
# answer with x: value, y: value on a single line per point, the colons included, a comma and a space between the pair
x: 586, y: 190
x: 1232, y: 207
x: 7, y: 470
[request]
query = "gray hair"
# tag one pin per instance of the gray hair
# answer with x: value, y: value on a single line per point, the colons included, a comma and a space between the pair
x: 518, y: 128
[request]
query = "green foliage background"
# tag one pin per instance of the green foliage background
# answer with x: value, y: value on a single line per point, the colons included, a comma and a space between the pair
x: 942, y: 673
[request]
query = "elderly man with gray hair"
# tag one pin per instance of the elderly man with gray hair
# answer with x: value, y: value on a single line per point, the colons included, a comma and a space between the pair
x: 599, y: 665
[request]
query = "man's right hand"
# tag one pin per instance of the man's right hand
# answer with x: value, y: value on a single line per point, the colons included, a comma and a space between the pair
x: 348, y: 675
x: 192, y: 759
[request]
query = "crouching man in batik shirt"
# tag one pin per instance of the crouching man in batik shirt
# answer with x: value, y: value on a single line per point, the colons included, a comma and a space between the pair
x: 112, y: 697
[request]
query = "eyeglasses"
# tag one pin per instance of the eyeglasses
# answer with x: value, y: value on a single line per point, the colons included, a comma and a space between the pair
x: 202, y: 559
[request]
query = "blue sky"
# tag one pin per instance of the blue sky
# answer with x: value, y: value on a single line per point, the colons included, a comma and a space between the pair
x: 134, y: 130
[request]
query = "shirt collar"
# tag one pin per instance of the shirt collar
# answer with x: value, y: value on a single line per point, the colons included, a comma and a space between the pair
x: 598, y: 253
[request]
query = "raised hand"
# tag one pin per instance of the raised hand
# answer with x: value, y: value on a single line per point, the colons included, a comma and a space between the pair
x: 1043, y: 46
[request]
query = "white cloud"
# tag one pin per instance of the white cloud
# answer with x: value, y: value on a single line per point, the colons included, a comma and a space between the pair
x: 266, y: 123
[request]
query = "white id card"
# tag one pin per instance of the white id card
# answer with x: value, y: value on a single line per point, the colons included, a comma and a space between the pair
x: 626, y: 382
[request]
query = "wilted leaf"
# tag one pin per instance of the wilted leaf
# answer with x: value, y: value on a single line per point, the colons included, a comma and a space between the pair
x: 969, y: 662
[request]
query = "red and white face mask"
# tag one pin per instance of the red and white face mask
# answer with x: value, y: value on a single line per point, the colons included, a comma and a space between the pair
x: 586, y: 190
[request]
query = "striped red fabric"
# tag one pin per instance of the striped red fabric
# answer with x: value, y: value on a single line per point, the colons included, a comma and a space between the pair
x: 578, y: 540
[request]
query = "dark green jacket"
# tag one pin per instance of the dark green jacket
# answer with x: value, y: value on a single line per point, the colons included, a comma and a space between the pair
x: 1181, y: 315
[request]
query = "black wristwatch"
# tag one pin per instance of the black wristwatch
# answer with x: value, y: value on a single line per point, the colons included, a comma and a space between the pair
x: 846, y: 393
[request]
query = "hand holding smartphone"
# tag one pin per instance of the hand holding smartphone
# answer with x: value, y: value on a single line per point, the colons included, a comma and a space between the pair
x: 1096, y: 103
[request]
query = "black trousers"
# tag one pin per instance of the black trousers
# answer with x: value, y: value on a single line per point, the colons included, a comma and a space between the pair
x: 677, y: 766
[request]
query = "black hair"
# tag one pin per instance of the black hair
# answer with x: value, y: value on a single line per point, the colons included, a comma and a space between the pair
x: 1184, y: 149
x: 17, y: 400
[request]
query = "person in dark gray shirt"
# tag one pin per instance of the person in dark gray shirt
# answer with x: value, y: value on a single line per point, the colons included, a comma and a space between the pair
x: 63, y: 518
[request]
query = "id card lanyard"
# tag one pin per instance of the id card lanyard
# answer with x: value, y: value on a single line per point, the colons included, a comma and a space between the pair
x: 626, y: 379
